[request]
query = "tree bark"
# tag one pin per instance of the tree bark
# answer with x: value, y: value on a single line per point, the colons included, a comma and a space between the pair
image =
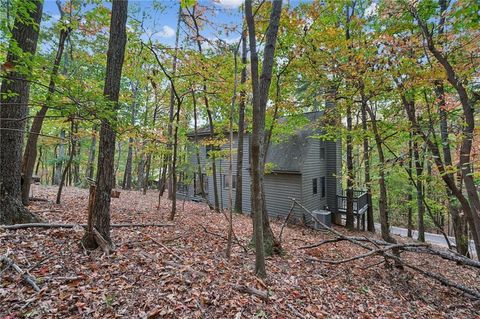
x: 30, y: 154
x: 69, y: 163
x: 127, y: 176
x: 366, y: 156
x: 91, y: 154
x: 209, y: 116
x: 115, y: 55
x: 383, y: 200
x: 241, y: 127
x: 59, y: 160
x: 14, y: 97
x: 169, y: 176
x: 419, y: 187
x: 260, y: 88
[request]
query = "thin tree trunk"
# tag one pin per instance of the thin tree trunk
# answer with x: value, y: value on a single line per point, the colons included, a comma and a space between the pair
x: 383, y: 200
x: 69, y: 163
x: 30, y: 154
x: 170, y: 177
x: 350, y: 177
x: 473, y: 210
x: 260, y: 88
x: 115, y: 55
x: 91, y: 154
x: 366, y: 156
x: 409, y: 195
x: 14, y: 97
x: 241, y: 127
x: 60, y: 159
x: 419, y: 186
x: 209, y: 116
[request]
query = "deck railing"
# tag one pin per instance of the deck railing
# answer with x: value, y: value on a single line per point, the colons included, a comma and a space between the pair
x: 360, y: 201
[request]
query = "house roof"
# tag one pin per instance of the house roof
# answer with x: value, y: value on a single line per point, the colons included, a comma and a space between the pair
x: 289, y: 155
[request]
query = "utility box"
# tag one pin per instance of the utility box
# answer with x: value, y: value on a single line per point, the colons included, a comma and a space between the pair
x: 324, y: 216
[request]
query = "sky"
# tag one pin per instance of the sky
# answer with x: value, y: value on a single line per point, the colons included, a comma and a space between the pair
x: 161, y: 23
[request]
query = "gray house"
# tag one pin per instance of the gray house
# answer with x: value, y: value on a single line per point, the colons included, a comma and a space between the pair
x: 301, y: 166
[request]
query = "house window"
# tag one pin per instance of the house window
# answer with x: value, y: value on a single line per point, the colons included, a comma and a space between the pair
x: 314, y: 186
x: 226, y: 183
x: 322, y: 153
x: 323, y: 186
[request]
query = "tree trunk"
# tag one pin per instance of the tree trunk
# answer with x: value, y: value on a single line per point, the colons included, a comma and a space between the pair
x: 141, y: 169
x: 409, y: 195
x: 350, y: 177
x: 458, y: 217
x: 14, y: 98
x: 419, y: 186
x: 449, y: 181
x: 366, y: 156
x: 127, y: 176
x: 60, y: 159
x: 383, y: 200
x: 473, y: 210
x: 170, y: 177
x: 30, y: 154
x: 91, y: 154
x: 209, y: 116
x: 115, y: 55
x: 241, y: 127
x: 260, y: 88
x: 69, y: 163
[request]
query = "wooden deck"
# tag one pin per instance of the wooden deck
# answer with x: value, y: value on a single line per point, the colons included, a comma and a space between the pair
x: 360, y: 206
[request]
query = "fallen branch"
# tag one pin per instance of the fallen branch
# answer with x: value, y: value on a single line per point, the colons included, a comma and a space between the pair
x: 225, y: 238
x: 9, y: 263
x: 38, y: 199
x: 252, y: 291
x: 165, y: 247
x: 384, y: 251
x: 285, y: 222
x: 48, y: 225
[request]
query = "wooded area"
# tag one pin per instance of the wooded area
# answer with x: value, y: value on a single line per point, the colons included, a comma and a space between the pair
x: 146, y: 129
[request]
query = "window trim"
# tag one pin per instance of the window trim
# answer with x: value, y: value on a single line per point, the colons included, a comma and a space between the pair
x: 234, y: 181
x: 322, y: 153
x: 323, y: 186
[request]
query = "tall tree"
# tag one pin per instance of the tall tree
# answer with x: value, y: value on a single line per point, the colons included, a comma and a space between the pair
x: 14, y: 98
x: 100, y: 217
x: 241, y: 126
x: 260, y: 88
x: 30, y: 154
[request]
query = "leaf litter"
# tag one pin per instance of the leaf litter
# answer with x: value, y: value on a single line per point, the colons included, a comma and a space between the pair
x: 182, y: 272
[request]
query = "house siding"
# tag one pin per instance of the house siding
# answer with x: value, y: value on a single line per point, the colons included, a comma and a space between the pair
x: 313, y: 168
x: 280, y: 186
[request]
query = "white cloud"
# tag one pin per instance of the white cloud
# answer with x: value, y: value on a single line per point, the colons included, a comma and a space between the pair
x: 229, y: 4
x: 166, y: 32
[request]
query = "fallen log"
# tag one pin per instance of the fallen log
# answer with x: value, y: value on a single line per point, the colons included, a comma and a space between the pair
x: 252, y: 291
x: 48, y: 225
x: 29, y: 279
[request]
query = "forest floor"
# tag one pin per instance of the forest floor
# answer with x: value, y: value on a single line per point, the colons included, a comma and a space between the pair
x: 182, y: 272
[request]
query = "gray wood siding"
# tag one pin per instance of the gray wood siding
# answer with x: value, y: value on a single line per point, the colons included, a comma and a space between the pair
x: 278, y: 189
x: 333, y: 172
x: 280, y: 186
x: 313, y: 167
